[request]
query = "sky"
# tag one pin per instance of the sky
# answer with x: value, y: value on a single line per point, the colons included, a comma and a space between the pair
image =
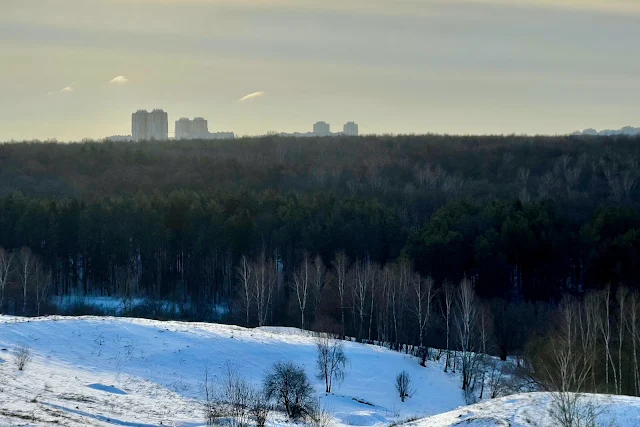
x: 71, y: 69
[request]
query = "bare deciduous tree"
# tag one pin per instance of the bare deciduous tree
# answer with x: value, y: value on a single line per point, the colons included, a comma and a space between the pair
x: 340, y: 265
x: 331, y: 361
x: 245, y: 274
x: 302, y: 282
x: 289, y: 386
x: 604, y: 324
x: 232, y: 401
x: 567, y: 373
x: 621, y: 299
x: 22, y: 356
x: 448, y: 294
x: 6, y: 265
x: 360, y: 291
x: 631, y: 319
x: 423, y: 291
x: 26, y: 271
x: 42, y: 284
x: 403, y: 385
x: 265, y: 276
x: 319, y: 282
x: 588, y: 330
x: 466, y: 322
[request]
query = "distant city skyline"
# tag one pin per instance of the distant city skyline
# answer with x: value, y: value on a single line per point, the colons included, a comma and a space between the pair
x: 154, y: 126
x: 73, y: 68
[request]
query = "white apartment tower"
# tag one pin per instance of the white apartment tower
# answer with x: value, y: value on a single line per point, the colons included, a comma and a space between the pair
x: 147, y: 126
x: 158, y: 125
x: 321, y: 129
x: 183, y: 128
x: 197, y: 128
x: 139, y: 125
x: 350, y: 129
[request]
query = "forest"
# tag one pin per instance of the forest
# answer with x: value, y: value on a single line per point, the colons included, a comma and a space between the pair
x: 372, y: 237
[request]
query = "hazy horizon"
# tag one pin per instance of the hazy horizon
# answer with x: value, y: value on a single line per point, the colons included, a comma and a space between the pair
x: 71, y: 68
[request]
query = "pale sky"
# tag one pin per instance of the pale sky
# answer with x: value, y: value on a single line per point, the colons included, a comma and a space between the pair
x: 78, y: 68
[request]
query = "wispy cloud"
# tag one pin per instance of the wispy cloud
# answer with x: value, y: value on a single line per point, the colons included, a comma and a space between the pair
x: 119, y: 80
x: 251, y: 96
x: 67, y: 89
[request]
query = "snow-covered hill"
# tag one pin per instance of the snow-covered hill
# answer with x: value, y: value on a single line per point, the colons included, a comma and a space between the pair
x: 97, y: 371
x: 531, y: 410
x: 117, y: 371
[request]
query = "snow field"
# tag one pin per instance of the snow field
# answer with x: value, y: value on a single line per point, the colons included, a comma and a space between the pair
x: 119, y: 371
x: 104, y: 371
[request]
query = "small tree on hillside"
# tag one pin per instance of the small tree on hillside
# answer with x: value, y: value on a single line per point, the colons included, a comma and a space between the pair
x: 289, y: 386
x: 331, y: 362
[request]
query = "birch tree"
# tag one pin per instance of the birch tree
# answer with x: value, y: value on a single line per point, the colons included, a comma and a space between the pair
x: 26, y: 271
x: 466, y: 321
x: 319, y: 282
x: 340, y: 265
x: 631, y: 319
x: 448, y: 294
x: 265, y: 276
x: 588, y: 330
x: 374, y: 276
x: 331, y: 361
x: 567, y: 373
x: 6, y: 265
x: 423, y: 292
x: 245, y: 276
x: 621, y: 299
x: 42, y: 284
x: 604, y: 325
x: 360, y: 291
x: 302, y: 282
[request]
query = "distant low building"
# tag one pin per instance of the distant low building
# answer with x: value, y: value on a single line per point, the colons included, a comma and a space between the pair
x: 627, y: 130
x: 221, y: 135
x: 198, y: 128
x: 324, y: 129
x: 119, y: 138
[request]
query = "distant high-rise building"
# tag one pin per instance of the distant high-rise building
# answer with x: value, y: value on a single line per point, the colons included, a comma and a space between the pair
x: 158, y: 125
x: 183, y: 128
x: 321, y: 129
x: 140, y: 125
x: 199, y: 127
x: 350, y: 129
x: 153, y: 125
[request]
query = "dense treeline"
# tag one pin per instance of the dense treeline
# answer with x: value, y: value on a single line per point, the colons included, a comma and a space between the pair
x: 419, y: 173
x: 188, y: 245
x: 336, y: 233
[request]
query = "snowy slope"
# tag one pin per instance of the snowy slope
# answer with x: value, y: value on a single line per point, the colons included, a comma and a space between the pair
x: 532, y: 410
x: 130, y: 372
